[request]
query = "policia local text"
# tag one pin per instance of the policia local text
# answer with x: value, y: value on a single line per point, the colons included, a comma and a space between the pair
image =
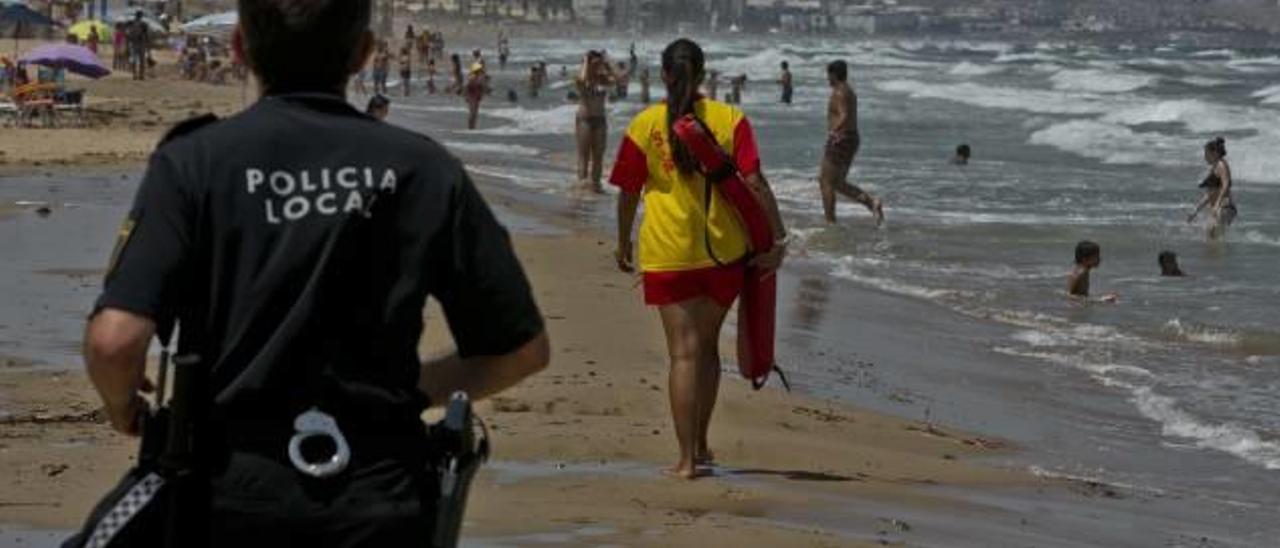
x: 294, y: 196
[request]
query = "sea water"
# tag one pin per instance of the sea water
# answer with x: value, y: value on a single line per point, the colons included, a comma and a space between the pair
x: 1071, y: 141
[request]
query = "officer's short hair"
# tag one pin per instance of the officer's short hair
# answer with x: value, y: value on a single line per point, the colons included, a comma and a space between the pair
x: 303, y: 44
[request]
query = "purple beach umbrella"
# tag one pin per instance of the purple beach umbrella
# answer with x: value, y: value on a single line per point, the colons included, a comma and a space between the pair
x: 75, y: 59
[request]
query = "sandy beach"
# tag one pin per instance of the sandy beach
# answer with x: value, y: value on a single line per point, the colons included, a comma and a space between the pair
x: 578, y: 449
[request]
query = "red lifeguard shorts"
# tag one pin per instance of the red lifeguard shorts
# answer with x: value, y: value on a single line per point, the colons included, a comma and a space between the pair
x: 720, y: 283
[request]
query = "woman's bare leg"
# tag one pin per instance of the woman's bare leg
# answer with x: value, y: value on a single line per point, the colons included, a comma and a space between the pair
x: 710, y: 320
x: 583, y: 135
x: 692, y: 329
x: 599, y: 138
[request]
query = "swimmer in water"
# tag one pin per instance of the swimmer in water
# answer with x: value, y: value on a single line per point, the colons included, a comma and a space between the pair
x: 1217, y: 190
x: 1169, y: 264
x: 1088, y: 257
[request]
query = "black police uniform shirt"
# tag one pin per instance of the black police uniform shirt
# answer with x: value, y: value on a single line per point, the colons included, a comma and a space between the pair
x: 231, y: 221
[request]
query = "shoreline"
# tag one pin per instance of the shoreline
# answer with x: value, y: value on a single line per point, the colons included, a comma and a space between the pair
x: 562, y: 438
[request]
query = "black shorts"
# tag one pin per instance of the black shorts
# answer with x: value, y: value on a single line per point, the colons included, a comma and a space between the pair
x: 840, y: 154
x: 261, y: 501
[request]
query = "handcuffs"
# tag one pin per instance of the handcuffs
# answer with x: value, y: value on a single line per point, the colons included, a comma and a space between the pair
x: 316, y: 423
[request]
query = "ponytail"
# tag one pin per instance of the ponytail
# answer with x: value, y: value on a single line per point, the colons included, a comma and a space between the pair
x: 682, y: 64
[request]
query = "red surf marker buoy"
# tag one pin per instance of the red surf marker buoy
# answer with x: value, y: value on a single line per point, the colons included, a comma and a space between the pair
x: 758, y: 304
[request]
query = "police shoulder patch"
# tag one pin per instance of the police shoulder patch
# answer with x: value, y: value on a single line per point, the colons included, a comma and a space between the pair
x: 122, y: 239
x: 189, y: 126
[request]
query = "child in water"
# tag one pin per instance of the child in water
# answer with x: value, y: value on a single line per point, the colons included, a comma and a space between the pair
x: 1169, y: 264
x: 1088, y: 257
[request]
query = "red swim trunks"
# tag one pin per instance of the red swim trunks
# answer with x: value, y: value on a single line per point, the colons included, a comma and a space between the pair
x: 720, y: 283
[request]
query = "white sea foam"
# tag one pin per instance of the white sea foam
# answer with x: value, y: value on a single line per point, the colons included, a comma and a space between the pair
x: 1114, y: 143
x: 966, y: 68
x: 1253, y: 158
x: 1037, y: 338
x: 1113, y: 118
x: 559, y: 120
x: 539, y: 180
x: 1007, y: 98
x: 1204, y: 81
x: 1229, y: 437
x: 1100, y: 81
x: 406, y: 107
x: 1256, y: 237
x: 843, y: 269
x: 1202, y: 333
x: 1184, y: 111
x: 756, y: 64
x: 1254, y: 64
x: 1224, y: 53
x: 1269, y: 96
x: 1108, y: 374
x: 492, y: 148
x: 1026, y: 57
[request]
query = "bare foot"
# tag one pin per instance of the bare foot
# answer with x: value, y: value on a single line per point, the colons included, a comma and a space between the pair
x: 877, y: 209
x: 707, y: 457
x: 681, y: 473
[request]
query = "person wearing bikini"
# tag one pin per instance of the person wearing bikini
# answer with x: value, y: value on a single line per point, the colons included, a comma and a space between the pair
x: 1217, y: 190
x: 593, y: 83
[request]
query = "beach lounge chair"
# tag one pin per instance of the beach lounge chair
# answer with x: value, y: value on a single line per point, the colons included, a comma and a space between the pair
x: 69, y: 105
x: 35, y: 100
x: 9, y: 111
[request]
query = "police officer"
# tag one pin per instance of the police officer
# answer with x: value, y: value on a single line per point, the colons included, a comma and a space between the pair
x: 298, y: 241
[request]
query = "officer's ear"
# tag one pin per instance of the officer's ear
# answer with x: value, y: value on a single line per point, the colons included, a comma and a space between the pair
x: 363, y: 52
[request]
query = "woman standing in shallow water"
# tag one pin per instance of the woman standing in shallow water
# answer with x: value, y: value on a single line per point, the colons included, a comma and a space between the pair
x: 693, y: 248
x: 1217, y: 186
x: 592, y: 122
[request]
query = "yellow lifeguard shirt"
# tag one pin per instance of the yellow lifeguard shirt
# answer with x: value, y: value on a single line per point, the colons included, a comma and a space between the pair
x: 675, y: 229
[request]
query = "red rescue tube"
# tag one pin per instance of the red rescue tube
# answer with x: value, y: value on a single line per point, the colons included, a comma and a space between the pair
x: 758, y: 303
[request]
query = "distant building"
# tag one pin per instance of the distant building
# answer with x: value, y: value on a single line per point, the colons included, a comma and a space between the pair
x: 877, y: 20
x: 593, y: 12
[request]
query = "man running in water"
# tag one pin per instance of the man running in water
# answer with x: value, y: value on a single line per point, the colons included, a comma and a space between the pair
x: 843, y: 142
